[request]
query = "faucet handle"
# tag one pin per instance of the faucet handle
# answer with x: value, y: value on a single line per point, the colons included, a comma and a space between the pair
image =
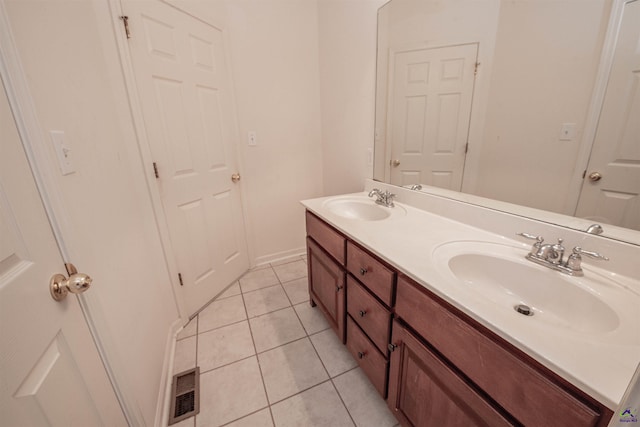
x: 579, y: 251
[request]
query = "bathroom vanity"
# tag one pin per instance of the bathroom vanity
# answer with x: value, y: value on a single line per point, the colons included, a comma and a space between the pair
x: 443, y: 354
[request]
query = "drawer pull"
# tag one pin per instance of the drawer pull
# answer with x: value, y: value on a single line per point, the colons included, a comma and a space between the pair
x: 338, y: 288
x: 363, y: 271
x: 362, y: 313
x: 361, y: 354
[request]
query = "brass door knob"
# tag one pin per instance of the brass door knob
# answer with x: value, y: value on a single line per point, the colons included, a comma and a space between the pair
x: 595, y: 176
x: 235, y: 177
x: 60, y: 286
x: 395, y: 163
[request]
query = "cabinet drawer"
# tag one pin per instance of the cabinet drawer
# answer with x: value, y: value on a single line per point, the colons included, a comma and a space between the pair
x: 327, y: 237
x: 369, y: 358
x: 369, y: 314
x: 528, y: 391
x: 371, y: 272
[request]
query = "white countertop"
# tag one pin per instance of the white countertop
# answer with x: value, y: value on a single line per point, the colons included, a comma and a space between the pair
x: 600, y: 364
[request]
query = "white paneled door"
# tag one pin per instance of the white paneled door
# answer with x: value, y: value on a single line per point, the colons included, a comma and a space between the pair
x: 185, y: 93
x: 430, y: 95
x: 611, y: 190
x: 50, y: 370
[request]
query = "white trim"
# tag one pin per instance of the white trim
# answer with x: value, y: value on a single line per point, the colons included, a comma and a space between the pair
x: 164, y: 391
x: 31, y: 134
x: 595, y: 106
x: 280, y: 256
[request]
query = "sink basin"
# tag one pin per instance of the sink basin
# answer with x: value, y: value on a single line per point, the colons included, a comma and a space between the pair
x: 500, y: 274
x: 360, y: 208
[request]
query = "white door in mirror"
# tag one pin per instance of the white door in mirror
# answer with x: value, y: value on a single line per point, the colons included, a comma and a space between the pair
x: 429, y: 109
x: 611, y: 191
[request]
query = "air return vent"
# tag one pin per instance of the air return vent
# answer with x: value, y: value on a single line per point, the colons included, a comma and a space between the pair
x: 185, y: 395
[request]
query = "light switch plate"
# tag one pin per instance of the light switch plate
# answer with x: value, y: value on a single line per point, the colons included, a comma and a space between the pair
x: 63, y: 152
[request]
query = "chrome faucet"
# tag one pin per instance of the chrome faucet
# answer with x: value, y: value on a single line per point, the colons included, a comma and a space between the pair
x: 384, y: 198
x: 552, y: 256
x: 415, y: 187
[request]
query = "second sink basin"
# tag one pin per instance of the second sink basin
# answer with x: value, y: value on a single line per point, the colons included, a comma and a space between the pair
x: 501, y: 274
x: 360, y: 208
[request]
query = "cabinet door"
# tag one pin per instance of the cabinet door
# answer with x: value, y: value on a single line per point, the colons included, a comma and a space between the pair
x: 425, y: 392
x: 326, y: 287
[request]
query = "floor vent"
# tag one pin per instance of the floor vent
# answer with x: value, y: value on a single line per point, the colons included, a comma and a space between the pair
x: 185, y: 395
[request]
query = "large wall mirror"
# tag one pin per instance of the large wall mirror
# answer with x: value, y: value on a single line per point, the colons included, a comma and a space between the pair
x: 531, y: 102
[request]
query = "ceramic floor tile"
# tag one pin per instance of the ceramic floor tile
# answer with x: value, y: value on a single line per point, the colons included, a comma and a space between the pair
x: 224, y: 345
x: 189, y: 330
x: 317, y: 407
x: 291, y: 368
x: 265, y: 300
x: 363, y: 402
x: 230, y: 291
x: 259, y: 419
x: 221, y: 313
x: 185, y: 355
x: 274, y: 329
x: 188, y: 422
x: 297, y: 290
x: 257, y: 279
x: 291, y: 271
x: 230, y: 393
x: 334, y: 355
x: 311, y: 317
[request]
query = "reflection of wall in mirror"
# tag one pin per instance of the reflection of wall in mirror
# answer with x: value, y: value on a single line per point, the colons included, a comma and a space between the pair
x: 538, y: 66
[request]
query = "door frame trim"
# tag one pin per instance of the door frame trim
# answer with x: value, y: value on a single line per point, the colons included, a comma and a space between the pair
x: 30, y: 131
x: 595, y: 105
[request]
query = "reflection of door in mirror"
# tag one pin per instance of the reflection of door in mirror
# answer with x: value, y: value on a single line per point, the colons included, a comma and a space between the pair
x: 614, y: 198
x: 430, y: 93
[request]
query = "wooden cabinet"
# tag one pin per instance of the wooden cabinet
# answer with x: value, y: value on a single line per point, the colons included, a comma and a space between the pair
x: 437, y: 366
x: 526, y: 390
x: 327, y: 287
x: 425, y: 391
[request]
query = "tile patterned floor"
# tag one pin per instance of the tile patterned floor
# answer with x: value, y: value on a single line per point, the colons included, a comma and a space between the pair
x: 267, y: 358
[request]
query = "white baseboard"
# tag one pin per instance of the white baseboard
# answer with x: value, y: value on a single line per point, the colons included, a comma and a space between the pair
x: 279, y: 256
x: 164, y: 391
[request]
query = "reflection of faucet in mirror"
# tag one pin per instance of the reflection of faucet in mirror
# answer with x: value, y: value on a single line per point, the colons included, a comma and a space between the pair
x: 444, y: 120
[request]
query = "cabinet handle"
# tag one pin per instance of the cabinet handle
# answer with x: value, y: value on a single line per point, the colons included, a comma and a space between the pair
x: 362, y: 313
x: 361, y: 354
x: 338, y: 288
x: 363, y: 271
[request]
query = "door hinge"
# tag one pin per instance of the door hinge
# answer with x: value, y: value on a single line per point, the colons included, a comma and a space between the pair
x: 125, y: 21
x: 155, y: 170
x: 180, y: 279
x: 391, y: 347
x: 466, y: 148
x: 475, y: 70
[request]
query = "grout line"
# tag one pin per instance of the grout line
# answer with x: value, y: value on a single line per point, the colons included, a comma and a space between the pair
x: 244, y: 416
x: 331, y: 379
x: 223, y: 326
x: 255, y: 350
x: 300, y: 392
x: 227, y: 364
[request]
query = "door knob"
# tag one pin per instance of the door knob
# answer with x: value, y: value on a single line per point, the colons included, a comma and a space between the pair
x: 235, y: 177
x: 595, y: 176
x: 395, y: 163
x: 60, y: 286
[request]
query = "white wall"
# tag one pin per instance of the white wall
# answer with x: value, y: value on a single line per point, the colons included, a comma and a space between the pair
x: 546, y: 59
x: 274, y: 56
x: 68, y: 54
x: 347, y: 40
